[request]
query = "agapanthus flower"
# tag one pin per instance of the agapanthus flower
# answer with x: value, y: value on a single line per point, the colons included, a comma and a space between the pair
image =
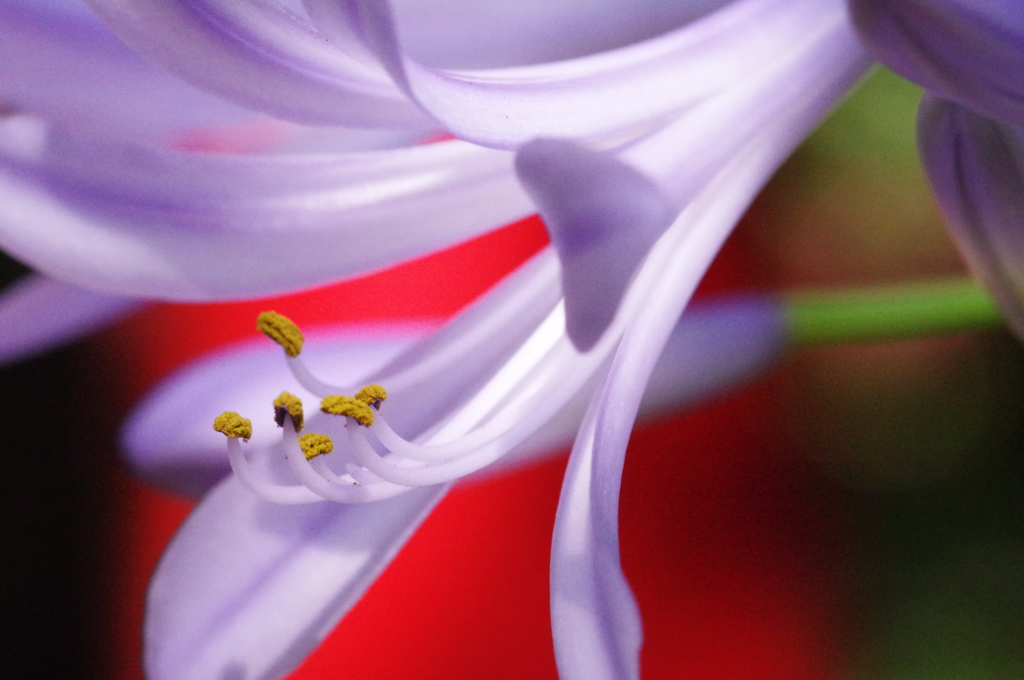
x: 640, y: 137
x: 969, y: 56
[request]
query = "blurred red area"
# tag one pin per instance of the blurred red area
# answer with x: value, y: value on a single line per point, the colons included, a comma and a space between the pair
x: 725, y: 538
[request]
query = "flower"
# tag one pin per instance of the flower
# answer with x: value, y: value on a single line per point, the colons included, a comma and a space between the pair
x: 640, y: 155
x: 209, y: 608
x: 967, y: 55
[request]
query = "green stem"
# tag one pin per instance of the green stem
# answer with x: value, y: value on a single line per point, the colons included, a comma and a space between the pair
x: 891, y: 312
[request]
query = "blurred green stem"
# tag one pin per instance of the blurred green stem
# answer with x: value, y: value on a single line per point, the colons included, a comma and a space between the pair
x: 889, y: 312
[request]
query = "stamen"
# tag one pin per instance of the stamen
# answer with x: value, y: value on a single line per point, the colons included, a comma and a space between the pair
x: 314, y: 445
x: 281, y: 330
x: 294, y: 494
x: 233, y: 425
x: 372, y: 395
x: 340, y: 405
x: 506, y: 380
x: 288, y: 404
x: 327, y: 488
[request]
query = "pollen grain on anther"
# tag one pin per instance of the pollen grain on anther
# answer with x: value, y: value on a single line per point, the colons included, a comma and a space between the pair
x: 340, y: 405
x: 281, y: 330
x: 233, y: 425
x: 288, y: 405
x: 372, y: 395
x: 314, y: 445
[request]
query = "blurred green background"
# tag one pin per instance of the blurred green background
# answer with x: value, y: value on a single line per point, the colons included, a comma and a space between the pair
x: 928, y: 435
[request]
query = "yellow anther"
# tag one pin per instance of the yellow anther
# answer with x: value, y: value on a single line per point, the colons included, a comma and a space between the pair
x: 281, y: 330
x: 233, y: 425
x: 288, y: 404
x: 341, y: 405
x: 314, y: 445
x: 372, y: 395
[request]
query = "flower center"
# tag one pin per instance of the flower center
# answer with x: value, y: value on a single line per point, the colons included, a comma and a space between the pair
x: 356, y: 456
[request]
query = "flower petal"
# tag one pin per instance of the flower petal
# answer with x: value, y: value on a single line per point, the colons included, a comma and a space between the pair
x: 595, y: 621
x: 470, y: 34
x: 262, y: 55
x: 969, y: 51
x: 246, y: 589
x: 717, y: 346
x: 602, y: 216
x: 604, y: 213
x: 612, y: 94
x: 135, y: 220
x: 976, y: 169
x: 67, y: 68
x: 38, y: 313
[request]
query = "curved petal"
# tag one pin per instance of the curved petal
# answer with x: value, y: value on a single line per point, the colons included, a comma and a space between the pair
x: 38, y: 313
x: 970, y: 51
x: 247, y: 589
x: 612, y: 94
x: 602, y: 216
x: 716, y: 346
x: 976, y: 169
x: 470, y: 34
x: 603, y: 212
x: 798, y: 82
x: 261, y: 55
x: 595, y: 622
x: 134, y: 220
x: 68, y: 69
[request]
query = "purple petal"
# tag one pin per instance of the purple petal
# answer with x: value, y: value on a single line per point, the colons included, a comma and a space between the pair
x: 976, y: 169
x: 38, y: 314
x: 717, y: 346
x: 604, y: 213
x: 602, y: 216
x: 595, y: 621
x: 68, y: 69
x: 615, y: 93
x: 247, y: 589
x: 798, y: 82
x: 261, y: 55
x: 470, y: 34
x: 969, y: 51
x: 135, y: 220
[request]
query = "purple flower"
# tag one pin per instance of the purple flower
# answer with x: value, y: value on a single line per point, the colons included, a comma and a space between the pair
x: 250, y: 587
x: 640, y: 135
x: 969, y: 56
